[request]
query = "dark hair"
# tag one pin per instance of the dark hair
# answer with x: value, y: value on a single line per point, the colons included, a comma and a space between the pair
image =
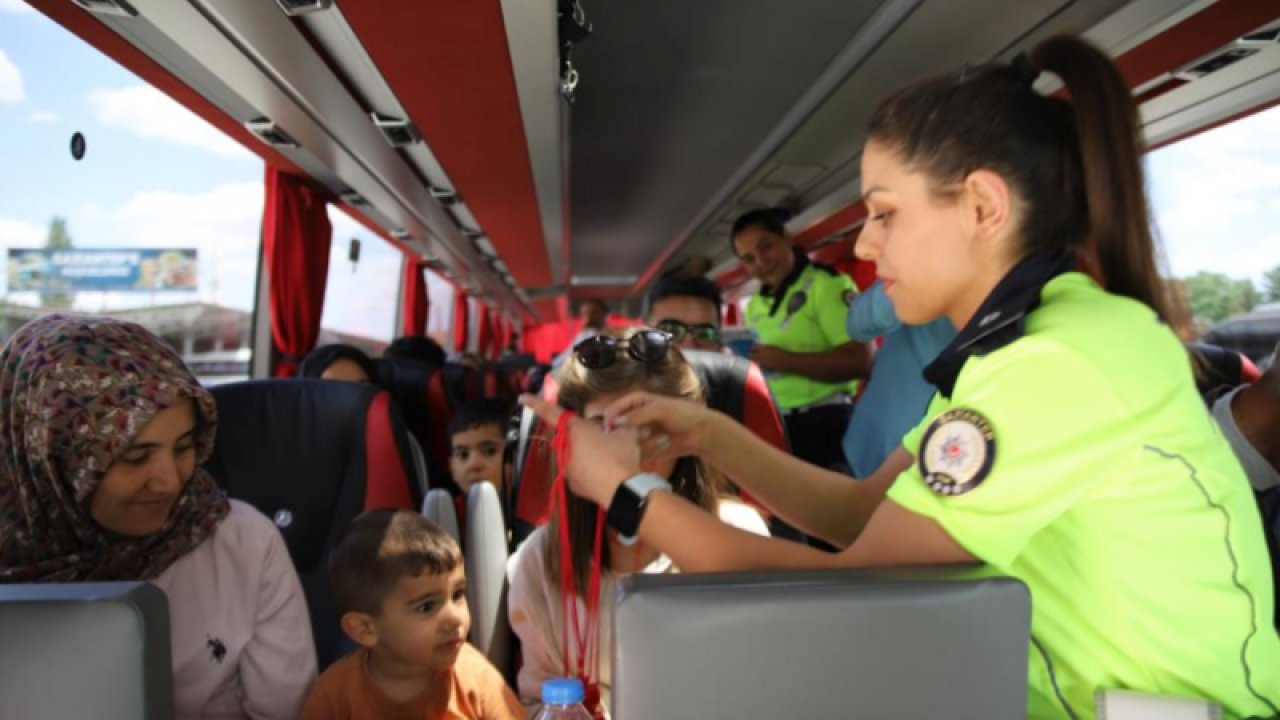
x: 416, y: 347
x: 771, y: 220
x: 381, y: 546
x: 319, y: 360
x: 478, y: 414
x: 680, y: 285
x: 1074, y: 163
x: 690, y: 479
x: 604, y: 307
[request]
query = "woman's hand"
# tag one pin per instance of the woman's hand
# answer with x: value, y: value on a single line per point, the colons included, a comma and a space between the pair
x: 599, y: 461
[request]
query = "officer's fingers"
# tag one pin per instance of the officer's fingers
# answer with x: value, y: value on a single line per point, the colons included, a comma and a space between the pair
x: 635, y: 409
x: 547, y: 412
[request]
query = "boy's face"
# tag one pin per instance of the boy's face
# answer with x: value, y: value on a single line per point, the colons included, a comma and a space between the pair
x: 475, y: 455
x: 424, y: 621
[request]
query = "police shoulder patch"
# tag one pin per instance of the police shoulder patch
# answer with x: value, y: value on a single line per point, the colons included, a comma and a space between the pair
x: 957, y: 451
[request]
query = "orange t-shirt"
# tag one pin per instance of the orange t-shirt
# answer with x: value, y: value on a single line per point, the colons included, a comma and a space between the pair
x: 474, y: 690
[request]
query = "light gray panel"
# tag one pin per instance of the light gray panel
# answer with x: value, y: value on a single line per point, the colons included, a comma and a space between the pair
x: 908, y: 645
x: 85, y: 650
x: 673, y: 96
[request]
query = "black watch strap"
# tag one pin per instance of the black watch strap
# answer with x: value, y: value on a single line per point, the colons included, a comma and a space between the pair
x: 627, y: 507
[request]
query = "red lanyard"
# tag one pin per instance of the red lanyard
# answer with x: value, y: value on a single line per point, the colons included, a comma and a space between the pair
x: 585, y: 630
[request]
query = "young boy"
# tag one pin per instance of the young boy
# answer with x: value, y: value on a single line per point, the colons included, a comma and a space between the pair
x: 477, y: 437
x: 401, y: 589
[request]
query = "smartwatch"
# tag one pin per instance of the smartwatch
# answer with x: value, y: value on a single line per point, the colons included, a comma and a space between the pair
x: 629, y: 503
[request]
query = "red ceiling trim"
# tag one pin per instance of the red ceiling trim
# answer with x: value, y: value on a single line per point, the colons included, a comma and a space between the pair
x: 88, y: 28
x: 837, y: 222
x: 450, y: 67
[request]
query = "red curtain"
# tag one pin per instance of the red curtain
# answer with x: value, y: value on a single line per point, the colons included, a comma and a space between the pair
x: 296, y: 234
x: 461, y: 320
x: 413, y: 295
x: 504, y: 334
x: 484, y: 333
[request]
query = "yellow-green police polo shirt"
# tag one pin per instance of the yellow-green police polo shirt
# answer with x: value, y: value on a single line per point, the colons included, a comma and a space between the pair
x: 810, y: 318
x: 1080, y: 459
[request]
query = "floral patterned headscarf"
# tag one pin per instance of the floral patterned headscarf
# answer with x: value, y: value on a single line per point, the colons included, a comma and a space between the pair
x: 74, y: 393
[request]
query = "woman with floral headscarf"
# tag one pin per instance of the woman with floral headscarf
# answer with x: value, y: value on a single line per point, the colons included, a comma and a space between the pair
x: 102, y: 433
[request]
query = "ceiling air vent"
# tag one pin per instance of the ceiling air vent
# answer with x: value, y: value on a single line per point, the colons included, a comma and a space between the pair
x: 108, y: 7
x: 1214, y: 63
x: 398, y: 132
x: 270, y: 133
x: 1262, y: 37
x: 353, y: 198
x: 302, y: 7
x: 444, y: 195
x: 398, y: 233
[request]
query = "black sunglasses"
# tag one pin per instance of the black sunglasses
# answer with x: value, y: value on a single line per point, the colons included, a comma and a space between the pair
x: 647, y: 346
x: 706, y: 333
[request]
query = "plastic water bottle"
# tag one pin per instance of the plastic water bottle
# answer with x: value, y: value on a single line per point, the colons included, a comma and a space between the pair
x: 562, y: 700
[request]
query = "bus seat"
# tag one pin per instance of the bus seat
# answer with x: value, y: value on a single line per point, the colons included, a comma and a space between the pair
x: 894, y: 643
x: 313, y: 454
x: 419, y: 464
x: 485, y: 548
x: 438, y: 507
x: 85, y: 650
x: 734, y: 386
x: 419, y: 390
x: 1219, y: 370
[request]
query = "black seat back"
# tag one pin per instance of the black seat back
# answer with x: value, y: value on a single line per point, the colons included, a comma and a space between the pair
x: 313, y: 454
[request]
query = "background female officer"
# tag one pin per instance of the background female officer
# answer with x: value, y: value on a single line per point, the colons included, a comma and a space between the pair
x: 804, y: 349
x: 1067, y: 445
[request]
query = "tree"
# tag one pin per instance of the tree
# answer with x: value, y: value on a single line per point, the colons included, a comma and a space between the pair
x: 57, y: 238
x: 1214, y: 297
x: 1271, y: 284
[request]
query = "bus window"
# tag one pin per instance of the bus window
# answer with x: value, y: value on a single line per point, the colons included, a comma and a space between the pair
x: 360, y: 298
x: 1214, y: 200
x: 158, y: 223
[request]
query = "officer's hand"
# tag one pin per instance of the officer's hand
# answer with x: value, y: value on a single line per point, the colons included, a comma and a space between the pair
x: 769, y: 357
x: 667, y: 427
x: 599, y: 461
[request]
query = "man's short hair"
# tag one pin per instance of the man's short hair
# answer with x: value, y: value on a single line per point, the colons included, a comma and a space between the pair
x: 382, y: 546
x: 416, y: 347
x: 604, y: 307
x: 678, y: 285
x: 480, y: 413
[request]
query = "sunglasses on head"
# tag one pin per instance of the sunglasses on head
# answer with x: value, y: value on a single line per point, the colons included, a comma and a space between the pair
x: 706, y: 333
x: 649, y: 347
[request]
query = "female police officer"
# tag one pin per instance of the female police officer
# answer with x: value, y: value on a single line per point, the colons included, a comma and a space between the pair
x: 1066, y: 446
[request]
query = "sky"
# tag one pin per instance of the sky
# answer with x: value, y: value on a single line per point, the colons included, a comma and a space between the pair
x: 156, y: 175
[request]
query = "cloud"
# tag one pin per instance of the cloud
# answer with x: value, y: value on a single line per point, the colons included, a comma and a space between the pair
x: 16, y: 233
x: 149, y: 113
x: 43, y: 117
x: 11, y: 88
x: 17, y: 7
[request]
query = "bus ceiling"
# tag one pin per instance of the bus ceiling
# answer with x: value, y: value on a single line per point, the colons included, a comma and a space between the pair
x: 447, y: 127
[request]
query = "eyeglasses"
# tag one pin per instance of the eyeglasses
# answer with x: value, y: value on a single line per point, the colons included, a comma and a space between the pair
x: 647, y: 346
x: 705, y: 333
